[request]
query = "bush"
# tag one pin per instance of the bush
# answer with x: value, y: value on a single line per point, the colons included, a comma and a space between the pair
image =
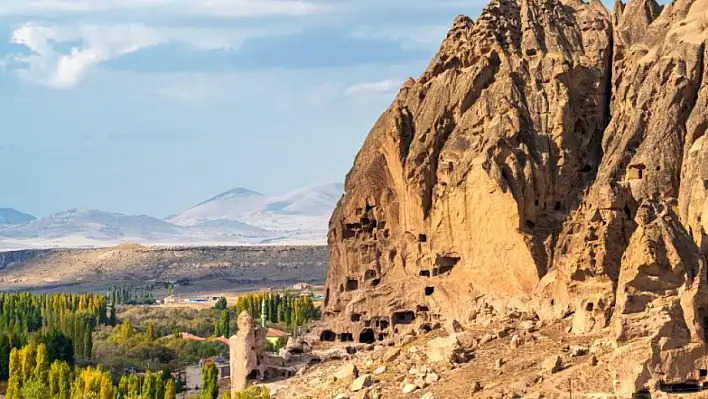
x: 251, y: 393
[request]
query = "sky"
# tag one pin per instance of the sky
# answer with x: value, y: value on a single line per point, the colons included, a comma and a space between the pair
x: 152, y: 106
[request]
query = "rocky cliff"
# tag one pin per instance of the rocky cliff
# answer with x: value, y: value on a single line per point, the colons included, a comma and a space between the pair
x: 550, y: 159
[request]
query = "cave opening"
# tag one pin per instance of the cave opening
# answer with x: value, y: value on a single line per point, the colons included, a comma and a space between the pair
x: 367, y: 336
x: 352, y: 285
x: 328, y: 336
x: 406, y: 317
x: 424, y: 273
x: 429, y: 291
x: 346, y: 337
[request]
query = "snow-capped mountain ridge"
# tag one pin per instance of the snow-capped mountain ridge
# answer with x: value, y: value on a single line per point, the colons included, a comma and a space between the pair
x: 235, y: 217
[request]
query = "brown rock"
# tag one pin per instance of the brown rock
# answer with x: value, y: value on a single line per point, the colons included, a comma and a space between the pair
x: 347, y: 373
x: 552, y: 158
x: 443, y: 349
x: 552, y: 365
x: 361, y: 382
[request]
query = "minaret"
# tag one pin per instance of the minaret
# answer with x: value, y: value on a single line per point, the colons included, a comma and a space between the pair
x: 263, y: 313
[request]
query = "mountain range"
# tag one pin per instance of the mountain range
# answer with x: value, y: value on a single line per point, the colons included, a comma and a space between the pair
x: 235, y: 217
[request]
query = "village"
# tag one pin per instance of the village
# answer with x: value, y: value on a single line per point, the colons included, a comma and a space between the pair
x: 272, y: 338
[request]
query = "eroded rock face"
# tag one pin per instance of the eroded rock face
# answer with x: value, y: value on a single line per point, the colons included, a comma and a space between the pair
x: 550, y: 159
x: 246, y: 350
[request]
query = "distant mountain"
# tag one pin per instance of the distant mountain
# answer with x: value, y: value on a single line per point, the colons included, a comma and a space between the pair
x: 303, y: 211
x: 9, y: 216
x: 92, y: 224
x: 238, y: 216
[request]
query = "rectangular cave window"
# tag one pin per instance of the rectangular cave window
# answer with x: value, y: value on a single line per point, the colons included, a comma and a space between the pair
x: 352, y: 285
x: 635, y: 172
x: 369, y: 274
x: 422, y: 308
x: 406, y: 317
x: 703, y: 372
x: 704, y: 323
x: 424, y: 273
x: 356, y: 317
x: 429, y: 291
x: 346, y: 337
x: 422, y: 238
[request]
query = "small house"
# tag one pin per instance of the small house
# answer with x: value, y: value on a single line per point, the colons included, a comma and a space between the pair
x: 276, y: 337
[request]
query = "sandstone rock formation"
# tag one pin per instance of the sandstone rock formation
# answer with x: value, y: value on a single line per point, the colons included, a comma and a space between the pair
x: 550, y: 159
x: 246, y: 350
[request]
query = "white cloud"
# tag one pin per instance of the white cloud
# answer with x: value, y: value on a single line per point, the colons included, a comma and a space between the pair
x: 98, y: 44
x: 48, y: 67
x: 368, y: 87
x: 193, y: 8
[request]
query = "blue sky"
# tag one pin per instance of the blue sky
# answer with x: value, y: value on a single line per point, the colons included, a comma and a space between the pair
x: 151, y: 106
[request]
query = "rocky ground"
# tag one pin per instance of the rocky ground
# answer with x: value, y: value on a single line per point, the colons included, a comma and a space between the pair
x: 509, y: 356
x: 219, y: 268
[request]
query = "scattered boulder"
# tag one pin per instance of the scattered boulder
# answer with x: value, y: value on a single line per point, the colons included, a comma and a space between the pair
x: 428, y: 395
x: 576, y: 351
x: 499, y: 363
x: 369, y: 363
x: 528, y: 326
x: 504, y: 332
x: 420, y: 382
x: 363, y: 394
x: 391, y: 354
x: 361, y: 383
x: 476, y: 387
x: 342, y: 396
x: 408, y: 388
x: 444, y: 349
x: 486, y: 339
x: 346, y: 373
x: 593, y: 360
x: 432, y: 378
x: 380, y: 370
x: 553, y: 364
x: 515, y: 341
x: 453, y: 326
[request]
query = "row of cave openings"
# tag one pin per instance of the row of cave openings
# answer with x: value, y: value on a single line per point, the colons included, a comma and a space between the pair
x: 377, y: 328
x: 366, y: 224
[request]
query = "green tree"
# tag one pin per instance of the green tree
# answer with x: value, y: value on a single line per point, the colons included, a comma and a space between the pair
x: 170, y: 390
x: 27, y: 360
x: 148, y: 386
x: 224, y: 324
x: 210, y: 381
x: 133, y: 386
x: 5, y: 349
x: 220, y: 304
x: 41, y: 368
x: 150, y: 331
x: 34, y: 389
x: 13, y: 385
x: 106, y: 391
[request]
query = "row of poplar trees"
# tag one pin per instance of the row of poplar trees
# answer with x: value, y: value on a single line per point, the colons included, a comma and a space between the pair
x: 63, y: 322
x: 34, y: 376
x: 290, y: 310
